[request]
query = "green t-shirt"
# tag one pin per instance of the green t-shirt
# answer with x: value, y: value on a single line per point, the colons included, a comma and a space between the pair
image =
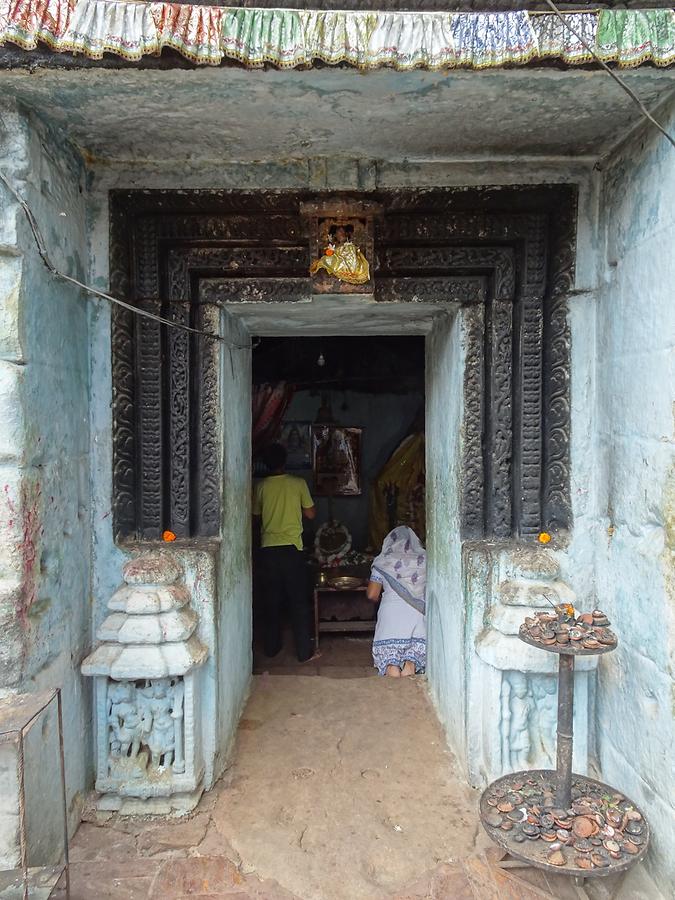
x: 280, y: 499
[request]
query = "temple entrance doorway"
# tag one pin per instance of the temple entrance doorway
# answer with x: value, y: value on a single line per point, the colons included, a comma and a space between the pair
x: 349, y: 412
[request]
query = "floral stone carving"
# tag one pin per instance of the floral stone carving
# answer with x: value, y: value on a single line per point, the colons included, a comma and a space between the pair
x: 146, y: 674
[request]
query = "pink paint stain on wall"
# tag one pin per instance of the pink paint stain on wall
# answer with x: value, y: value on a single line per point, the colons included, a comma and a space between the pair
x: 31, y: 496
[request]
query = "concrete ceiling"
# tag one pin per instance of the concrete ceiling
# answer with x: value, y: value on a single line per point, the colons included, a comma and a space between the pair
x: 132, y: 115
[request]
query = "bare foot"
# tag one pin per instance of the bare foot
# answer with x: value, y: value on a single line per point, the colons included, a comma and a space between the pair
x: 393, y: 672
x: 316, y: 655
x: 408, y: 668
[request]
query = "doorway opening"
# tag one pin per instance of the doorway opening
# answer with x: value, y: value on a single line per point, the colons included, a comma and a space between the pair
x: 350, y: 412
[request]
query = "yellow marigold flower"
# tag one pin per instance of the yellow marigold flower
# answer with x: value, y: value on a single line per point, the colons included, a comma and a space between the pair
x: 544, y: 538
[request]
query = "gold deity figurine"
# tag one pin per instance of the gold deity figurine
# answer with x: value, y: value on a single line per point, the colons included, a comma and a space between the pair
x: 342, y: 258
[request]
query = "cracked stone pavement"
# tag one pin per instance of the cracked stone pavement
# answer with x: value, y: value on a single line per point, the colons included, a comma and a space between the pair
x: 339, y: 789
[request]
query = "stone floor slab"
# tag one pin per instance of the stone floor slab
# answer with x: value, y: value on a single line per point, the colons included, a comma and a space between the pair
x: 194, y: 876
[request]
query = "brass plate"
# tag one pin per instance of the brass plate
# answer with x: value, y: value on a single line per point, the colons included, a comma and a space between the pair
x: 345, y: 582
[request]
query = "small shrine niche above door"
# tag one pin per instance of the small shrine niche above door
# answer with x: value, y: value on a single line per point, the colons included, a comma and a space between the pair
x: 342, y: 246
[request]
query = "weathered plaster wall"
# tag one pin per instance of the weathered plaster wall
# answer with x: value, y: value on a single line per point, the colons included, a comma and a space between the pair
x: 446, y: 614
x: 234, y: 613
x: 635, y: 551
x: 44, y: 440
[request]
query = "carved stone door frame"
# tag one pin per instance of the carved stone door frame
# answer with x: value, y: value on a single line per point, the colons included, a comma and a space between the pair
x: 507, y: 255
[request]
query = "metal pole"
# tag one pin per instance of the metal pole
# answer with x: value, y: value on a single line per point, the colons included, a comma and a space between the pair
x: 23, y: 838
x: 563, y: 797
x: 66, y: 859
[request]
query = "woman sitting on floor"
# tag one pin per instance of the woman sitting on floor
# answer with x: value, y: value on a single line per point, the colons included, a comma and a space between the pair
x: 399, y: 574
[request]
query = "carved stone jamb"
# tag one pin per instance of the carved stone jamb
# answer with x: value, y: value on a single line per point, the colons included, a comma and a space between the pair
x: 147, y: 687
x: 538, y: 228
x: 504, y: 584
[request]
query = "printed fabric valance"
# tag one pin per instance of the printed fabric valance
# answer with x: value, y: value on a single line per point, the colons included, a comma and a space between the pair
x: 288, y: 38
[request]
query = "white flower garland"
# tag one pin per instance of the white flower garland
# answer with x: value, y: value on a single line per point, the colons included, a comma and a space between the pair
x: 327, y: 558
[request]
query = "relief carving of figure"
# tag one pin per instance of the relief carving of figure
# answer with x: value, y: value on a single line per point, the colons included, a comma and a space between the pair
x: 131, y: 732
x: 342, y: 258
x: 545, y: 693
x: 161, y: 740
x: 121, y: 712
x: 520, y: 707
x: 147, y: 714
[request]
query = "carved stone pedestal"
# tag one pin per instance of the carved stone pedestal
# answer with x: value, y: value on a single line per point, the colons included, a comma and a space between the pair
x: 512, y: 687
x: 146, y: 670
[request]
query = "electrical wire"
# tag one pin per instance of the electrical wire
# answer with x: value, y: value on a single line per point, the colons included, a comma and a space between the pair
x: 44, y: 255
x: 622, y: 84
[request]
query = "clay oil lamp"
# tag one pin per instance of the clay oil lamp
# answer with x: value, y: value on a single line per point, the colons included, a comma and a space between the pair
x: 493, y: 819
x: 611, y: 845
x: 599, y: 618
x: 585, y: 619
x: 636, y: 839
x: 581, y: 808
x: 614, y: 818
x: 582, y: 827
x: 556, y: 858
x: 605, y: 636
x: 631, y: 848
x: 600, y: 859
x: 582, y: 845
x: 583, y: 862
x: 590, y: 644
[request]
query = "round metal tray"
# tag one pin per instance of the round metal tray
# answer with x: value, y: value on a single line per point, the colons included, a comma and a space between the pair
x: 568, y: 649
x: 345, y: 582
x: 534, y: 852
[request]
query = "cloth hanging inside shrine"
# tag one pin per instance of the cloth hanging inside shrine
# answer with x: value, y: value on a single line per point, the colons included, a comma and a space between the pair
x: 397, y: 496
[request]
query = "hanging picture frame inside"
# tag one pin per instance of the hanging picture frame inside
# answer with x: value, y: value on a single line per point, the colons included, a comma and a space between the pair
x: 337, y: 460
x: 296, y: 437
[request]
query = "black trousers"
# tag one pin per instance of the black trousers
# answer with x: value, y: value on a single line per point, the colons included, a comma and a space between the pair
x: 283, y: 577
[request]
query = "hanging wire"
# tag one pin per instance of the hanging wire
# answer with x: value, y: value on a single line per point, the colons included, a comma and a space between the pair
x: 44, y: 255
x: 622, y: 84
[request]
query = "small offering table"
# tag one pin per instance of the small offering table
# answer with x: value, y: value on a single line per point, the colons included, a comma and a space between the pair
x: 344, y: 610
